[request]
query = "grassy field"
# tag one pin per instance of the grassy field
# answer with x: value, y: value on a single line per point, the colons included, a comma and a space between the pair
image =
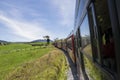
x: 26, y: 62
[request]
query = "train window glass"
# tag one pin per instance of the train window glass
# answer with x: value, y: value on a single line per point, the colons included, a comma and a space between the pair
x: 93, y: 31
x: 106, y: 35
x: 77, y: 7
x: 82, y: 4
x: 85, y: 37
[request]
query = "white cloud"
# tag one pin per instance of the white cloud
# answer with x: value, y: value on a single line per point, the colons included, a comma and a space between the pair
x: 32, y: 22
x: 19, y: 11
x: 29, y: 30
x: 66, y: 11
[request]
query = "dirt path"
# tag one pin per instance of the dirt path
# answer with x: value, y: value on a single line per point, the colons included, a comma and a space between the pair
x: 72, y: 72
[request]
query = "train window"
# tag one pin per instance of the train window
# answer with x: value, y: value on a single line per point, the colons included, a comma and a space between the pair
x: 81, y: 7
x: 85, y: 37
x: 94, y: 33
x: 106, y: 35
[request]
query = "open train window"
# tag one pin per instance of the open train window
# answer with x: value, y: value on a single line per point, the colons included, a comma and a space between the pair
x: 106, y: 35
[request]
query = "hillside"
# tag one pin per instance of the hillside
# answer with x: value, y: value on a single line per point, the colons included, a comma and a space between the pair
x: 40, y: 40
x: 2, y: 41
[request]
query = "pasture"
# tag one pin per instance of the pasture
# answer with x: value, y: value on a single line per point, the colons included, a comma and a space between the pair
x: 26, y: 62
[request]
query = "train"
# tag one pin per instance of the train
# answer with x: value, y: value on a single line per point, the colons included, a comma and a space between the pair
x: 94, y: 44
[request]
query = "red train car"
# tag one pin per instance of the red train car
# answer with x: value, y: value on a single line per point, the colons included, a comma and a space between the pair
x: 64, y: 44
x: 71, y: 47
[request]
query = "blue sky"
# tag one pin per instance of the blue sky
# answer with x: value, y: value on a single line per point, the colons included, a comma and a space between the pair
x: 27, y: 20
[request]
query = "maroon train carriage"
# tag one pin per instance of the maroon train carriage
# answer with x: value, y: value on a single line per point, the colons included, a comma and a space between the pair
x: 67, y: 45
x: 59, y: 44
x: 64, y: 44
x: 70, y: 47
x: 55, y: 43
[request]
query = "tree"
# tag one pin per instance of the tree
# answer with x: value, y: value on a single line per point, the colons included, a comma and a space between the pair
x: 48, y: 38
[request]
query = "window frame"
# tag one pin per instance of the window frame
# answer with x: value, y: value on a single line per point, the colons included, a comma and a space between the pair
x: 94, y: 33
x: 113, y: 21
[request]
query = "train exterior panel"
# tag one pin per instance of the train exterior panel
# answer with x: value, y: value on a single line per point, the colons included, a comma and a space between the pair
x: 59, y: 44
x: 94, y: 45
x: 64, y: 44
x: 97, y: 44
x: 70, y: 47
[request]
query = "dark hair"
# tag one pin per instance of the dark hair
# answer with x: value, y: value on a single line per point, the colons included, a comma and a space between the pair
x: 108, y: 35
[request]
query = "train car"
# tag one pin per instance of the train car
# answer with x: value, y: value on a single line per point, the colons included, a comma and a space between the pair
x: 71, y: 47
x: 97, y: 39
x: 55, y: 43
x: 58, y: 44
x: 64, y: 44
x: 61, y: 44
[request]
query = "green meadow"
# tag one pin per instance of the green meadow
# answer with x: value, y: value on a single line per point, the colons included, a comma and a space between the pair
x: 26, y: 62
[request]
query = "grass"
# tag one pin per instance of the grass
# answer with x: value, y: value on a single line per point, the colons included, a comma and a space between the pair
x: 92, y: 70
x: 88, y: 50
x: 51, y: 66
x: 11, y: 47
x: 31, y: 63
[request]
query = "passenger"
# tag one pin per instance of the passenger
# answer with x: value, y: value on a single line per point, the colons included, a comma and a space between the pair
x: 108, y: 49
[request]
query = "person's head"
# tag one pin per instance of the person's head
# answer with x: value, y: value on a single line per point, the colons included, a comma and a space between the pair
x: 109, y: 36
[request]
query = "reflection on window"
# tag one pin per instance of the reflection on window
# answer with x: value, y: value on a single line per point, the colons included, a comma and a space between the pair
x: 94, y: 34
x: 107, y: 46
x: 85, y: 36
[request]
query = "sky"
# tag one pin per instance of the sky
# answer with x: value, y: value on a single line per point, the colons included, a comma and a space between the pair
x: 27, y: 20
